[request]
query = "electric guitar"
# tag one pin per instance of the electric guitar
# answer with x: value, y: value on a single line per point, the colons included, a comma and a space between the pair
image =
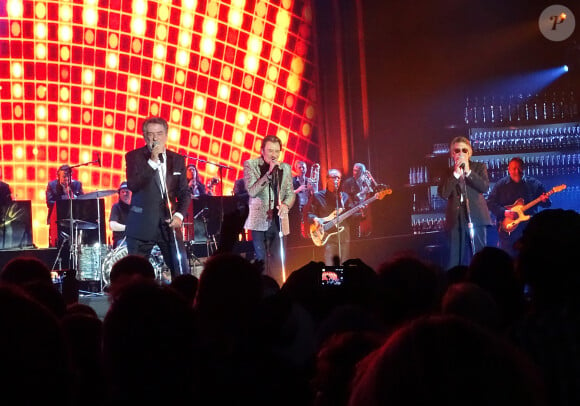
x: 319, y: 233
x: 509, y: 225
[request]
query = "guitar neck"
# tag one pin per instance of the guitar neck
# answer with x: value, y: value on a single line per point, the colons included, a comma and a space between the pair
x: 535, y: 201
x: 347, y: 214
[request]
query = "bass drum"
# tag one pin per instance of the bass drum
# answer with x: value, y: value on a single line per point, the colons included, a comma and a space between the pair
x: 156, y: 259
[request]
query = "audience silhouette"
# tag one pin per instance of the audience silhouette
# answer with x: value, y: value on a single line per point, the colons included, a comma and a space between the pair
x: 500, y: 331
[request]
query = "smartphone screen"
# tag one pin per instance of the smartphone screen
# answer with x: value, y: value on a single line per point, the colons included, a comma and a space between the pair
x: 332, y: 275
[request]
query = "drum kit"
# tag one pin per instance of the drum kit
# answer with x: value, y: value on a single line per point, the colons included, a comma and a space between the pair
x: 93, y: 262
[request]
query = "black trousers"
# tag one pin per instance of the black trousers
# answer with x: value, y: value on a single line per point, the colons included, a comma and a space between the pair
x: 460, y: 250
x: 170, y: 243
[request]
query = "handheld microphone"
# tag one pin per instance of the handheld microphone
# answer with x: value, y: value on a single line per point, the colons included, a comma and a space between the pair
x: 462, y: 166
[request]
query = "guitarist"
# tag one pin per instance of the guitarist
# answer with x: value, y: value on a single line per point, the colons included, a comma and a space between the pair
x: 504, y: 194
x: 321, y: 205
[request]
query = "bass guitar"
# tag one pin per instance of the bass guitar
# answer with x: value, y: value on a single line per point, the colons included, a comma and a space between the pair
x: 319, y: 232
x: 509, y: 225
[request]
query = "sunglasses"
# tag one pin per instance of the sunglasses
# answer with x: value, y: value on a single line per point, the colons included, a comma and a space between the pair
x: 464, y: 150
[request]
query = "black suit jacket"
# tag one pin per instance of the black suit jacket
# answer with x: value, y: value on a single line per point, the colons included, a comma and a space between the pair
x: 55, y: 192
x: 148, y: 207
x: 5, y: 194
x: 476, y: 184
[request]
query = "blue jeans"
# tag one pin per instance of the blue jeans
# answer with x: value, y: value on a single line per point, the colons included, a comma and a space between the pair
x: 267, y: 249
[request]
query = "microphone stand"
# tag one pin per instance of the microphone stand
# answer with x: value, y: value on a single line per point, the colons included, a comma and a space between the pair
x: 338, y: 204
x: 471, y: 230
x: 166, y: 192
x: 99, y: 263
x: 220, y: 168
x: 278, y: 175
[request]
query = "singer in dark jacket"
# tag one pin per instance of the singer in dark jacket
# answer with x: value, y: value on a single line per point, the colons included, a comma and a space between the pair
x: 463, y: 186
x: 156, y: 178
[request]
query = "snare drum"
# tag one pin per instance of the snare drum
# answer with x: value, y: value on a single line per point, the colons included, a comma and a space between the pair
x: 89, y: 261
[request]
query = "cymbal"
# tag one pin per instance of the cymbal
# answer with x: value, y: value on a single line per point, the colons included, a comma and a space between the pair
x: 79, y: 224
x: 97, y: 194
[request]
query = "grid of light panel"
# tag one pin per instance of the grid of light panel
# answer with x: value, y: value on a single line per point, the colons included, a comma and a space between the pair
x: 79, y: 77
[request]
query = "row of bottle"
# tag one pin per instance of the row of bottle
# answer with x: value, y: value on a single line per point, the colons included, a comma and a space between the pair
x: 418, y: 175
x: 525, y: 139
x: 521, y: 107
x: 537, y: 165
x: 431, y: 224
x: 428, y: 202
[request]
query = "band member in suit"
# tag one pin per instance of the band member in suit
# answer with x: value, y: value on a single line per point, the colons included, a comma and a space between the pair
x: 303, y: 190
x: 196, y: 186
x: 119, y: 213
x: 5, y: 202
x: 157, y: 179
x: 359, y: 187
x: 5, y: 194
x: 506, y: 191
x: 61, y: 188
x: 320, y: 206
x: 269, y: 185
x: 463, y: 186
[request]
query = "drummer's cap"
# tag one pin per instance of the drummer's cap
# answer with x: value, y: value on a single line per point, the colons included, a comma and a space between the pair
x: 123, y: 185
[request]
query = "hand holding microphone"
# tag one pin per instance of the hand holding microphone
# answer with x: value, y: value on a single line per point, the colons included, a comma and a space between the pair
x: 273, y: 164
x: 157, y: 152
x: 461, y: 166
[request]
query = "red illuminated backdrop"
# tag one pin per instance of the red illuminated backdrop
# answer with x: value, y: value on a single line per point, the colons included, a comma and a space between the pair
x: 78, y: 78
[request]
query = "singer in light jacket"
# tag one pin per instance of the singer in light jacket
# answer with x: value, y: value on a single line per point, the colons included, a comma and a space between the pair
x: 473, y: 175
x: 269, y: 185
x: 156, y: 175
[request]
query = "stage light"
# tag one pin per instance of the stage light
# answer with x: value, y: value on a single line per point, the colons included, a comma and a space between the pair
x: 17, y: 91
x: 224, y: 92
x: 65, y: 33
x: 269, y: 91
x: 41, y: 112
x: 40, y: 10
x: 16, y: 70
x: 207, y: 47
x: 40, y: 51
x: 14, y: 8
x: 138, y: 26
x: 90, y: 17
x: 565, y: 68
x: 88, y: 77
x: 112, y: 61
x: 40, y: 31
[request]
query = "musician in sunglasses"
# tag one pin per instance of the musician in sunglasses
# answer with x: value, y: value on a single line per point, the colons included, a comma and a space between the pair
x: 463, y: 186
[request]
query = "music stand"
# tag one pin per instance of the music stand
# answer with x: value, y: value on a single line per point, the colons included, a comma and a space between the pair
x: 220, y: 167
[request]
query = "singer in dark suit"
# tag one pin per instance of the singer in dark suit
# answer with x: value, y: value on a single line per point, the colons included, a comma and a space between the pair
x: 269, y: 185
x: 463, y: 187
x: 156, y: 178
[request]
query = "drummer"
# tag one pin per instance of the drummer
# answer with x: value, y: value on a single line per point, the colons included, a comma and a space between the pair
x: 196, y: 186
x: 118, y: 217
x: 62, y: 188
